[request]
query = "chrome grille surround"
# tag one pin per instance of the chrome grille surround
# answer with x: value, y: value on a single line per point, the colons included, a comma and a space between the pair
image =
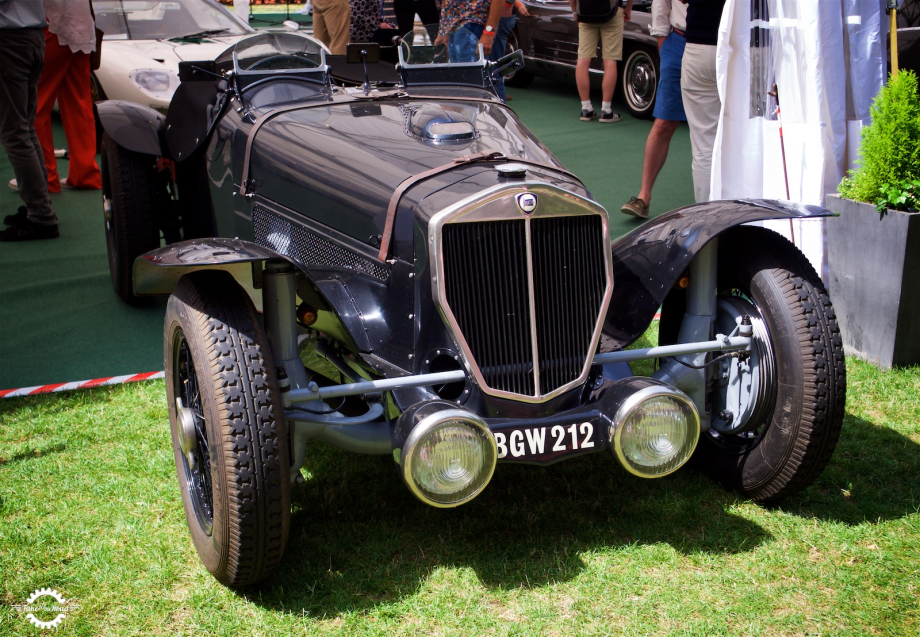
x: 498, y: 204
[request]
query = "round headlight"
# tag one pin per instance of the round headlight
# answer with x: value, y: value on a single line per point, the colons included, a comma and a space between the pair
x: 448, y: 458
x: 656, y: 431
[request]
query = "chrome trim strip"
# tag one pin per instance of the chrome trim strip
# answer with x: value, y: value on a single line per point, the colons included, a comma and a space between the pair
x: 721, y: 343
x: 532, y: 301
x: 553, y: 202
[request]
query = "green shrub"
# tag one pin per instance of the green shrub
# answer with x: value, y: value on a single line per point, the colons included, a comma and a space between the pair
x: 889, y: 151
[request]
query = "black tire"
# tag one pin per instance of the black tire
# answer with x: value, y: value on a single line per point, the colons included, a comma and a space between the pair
x: 520, y: 78
x: 219, y: 365
x: 795, y: 437
x: 639, y: 82
x: 129, y: 192
x: 98, y: 95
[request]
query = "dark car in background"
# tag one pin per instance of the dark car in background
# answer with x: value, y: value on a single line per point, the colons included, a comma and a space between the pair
x: 548, y: 38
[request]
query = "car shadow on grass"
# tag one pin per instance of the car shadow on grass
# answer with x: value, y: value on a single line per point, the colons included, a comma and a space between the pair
x: 873, y: 475
x: 360, y: 539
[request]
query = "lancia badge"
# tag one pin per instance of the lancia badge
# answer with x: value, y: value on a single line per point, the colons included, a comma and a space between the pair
x: 527, y: 202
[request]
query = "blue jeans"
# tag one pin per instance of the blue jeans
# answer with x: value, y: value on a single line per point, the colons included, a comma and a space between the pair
x: 463, y: 45
x: 505, y: 27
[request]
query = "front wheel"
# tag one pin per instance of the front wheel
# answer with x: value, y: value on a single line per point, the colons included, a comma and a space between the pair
x: 229, y: 437
x: 789, y: 419
x: 639, y: 81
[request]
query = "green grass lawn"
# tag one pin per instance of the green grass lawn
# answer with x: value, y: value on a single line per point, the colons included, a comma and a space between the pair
x: 90, y: 507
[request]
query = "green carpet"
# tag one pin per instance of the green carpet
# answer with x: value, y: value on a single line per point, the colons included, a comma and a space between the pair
x: 60, y: 321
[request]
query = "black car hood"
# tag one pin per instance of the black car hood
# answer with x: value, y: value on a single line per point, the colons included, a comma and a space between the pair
x: 340, y: 163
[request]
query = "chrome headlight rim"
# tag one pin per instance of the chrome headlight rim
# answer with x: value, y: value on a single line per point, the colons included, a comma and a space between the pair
x: 425, y: 426
x: 627, y: 408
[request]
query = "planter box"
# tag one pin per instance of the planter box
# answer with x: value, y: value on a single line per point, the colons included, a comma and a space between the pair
x: 874, y: 281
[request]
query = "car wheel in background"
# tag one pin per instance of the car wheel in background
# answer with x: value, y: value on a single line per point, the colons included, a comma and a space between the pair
x: 793, y: 429
x: 520, y: 78
x: 639, y: 82
x: 98, y: 95
x: 228, y: 432
x: 129, y: 200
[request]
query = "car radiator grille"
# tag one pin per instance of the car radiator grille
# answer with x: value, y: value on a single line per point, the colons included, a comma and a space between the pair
x: 488, y: 267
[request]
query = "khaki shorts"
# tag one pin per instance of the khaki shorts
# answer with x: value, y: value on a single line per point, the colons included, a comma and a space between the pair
x: 609, y: 34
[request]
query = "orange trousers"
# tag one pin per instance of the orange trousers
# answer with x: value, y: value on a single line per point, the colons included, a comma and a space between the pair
x: 65, y: 78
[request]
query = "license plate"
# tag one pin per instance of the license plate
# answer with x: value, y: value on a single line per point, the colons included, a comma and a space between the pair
x: 546, y: 443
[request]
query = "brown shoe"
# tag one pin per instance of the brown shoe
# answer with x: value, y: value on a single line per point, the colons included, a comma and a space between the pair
x: 635, y: 207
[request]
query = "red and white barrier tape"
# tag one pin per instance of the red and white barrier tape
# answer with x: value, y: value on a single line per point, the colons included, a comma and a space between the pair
x: 98, y: 382
x: 80, y: 384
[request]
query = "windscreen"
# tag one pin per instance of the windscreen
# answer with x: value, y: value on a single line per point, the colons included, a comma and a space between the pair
x: 173, y: 20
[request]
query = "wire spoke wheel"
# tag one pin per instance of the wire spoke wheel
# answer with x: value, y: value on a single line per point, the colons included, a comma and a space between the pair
x: 229, y: 437
x: 197, y: 468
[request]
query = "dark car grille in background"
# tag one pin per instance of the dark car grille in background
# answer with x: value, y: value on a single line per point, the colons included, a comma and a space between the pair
x: 486, y: 287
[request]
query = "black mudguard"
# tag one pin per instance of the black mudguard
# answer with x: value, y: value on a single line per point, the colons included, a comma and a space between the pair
x: 158, y: 272
x: 648, y: 261
x: 134, y: 127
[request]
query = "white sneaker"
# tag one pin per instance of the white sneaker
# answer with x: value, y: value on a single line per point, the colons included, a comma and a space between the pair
x: 13, y: 184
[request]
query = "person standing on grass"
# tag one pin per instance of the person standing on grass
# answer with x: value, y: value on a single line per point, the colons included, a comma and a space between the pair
x: 669, y: 23
x: 505, y: 27
x: 699, y: 89
x: 465, y: 24
x: 599, y: 21
x: 22, y: 54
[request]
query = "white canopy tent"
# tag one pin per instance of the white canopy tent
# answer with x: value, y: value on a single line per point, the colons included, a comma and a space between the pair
x: 827, y: 58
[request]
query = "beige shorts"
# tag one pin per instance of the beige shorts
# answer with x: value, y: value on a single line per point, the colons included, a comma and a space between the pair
x: 609, y: 34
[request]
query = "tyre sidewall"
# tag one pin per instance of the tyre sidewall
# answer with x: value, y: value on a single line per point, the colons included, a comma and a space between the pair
x: 213, y: 549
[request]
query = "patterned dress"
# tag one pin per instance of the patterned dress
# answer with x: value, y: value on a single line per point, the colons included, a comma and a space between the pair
x: 365, y: 19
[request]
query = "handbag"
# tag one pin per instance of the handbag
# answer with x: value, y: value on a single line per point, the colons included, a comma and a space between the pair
x: 95, y: 58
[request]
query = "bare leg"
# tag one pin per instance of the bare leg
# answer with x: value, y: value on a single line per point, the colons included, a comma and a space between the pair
x: 609, y: 84
x: 656, y: 152
x: 582, y: 79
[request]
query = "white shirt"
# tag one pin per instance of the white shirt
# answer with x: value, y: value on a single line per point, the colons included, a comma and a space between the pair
x: 667, y: 15
x: 72, y: 23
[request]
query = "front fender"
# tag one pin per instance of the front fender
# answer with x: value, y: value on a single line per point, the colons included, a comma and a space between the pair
x: 648, y: 261
x: 158, y: 272
x: 134, y: 127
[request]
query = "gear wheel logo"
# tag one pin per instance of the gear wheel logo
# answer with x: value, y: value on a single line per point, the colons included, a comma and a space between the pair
x: 38, y: 613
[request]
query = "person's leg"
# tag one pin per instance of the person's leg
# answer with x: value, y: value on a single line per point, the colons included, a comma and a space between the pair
x: 611, y: 35
x: 588, y: 37
x: 320, y: 32
x: 56, y: 67
x: 427, y: 11
x: 405, y: 15
x: 464, y: 43
x: 76, y: 106
x: 505, y: 27
x: 338, y: 23
x: 656, y: 152
x: 703, y: 107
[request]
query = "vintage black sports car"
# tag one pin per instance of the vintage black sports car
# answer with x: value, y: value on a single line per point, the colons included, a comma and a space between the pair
x: 403, y: 269
x: 548, y: 38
